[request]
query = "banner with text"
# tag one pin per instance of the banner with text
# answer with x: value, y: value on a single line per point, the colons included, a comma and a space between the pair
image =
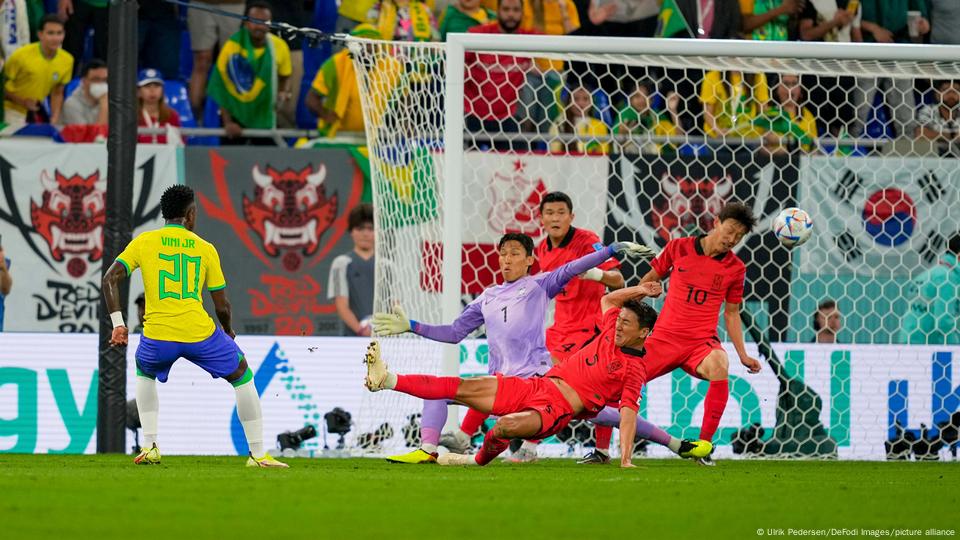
x: 835, y: 400
x: 52, y: 214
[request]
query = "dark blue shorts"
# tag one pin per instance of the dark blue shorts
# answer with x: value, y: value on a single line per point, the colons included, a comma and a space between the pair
x: 218, y: 355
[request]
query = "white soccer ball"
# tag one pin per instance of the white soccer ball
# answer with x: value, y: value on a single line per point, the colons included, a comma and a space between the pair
x: 792, y: 227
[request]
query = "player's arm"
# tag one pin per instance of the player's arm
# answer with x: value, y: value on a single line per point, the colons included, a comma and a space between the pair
x: 389, y: 324
x: 618, y: 298
x: 56, y: 103
x: 110, y: 288
x: 612, y: 278
x: 221, y: 305
x: 731, y: 318
x: 628, y: 430
x: 629, y: 404
x: 555, y: 281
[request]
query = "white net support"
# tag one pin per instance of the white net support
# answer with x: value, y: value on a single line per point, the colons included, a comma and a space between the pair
x: 650, y: 138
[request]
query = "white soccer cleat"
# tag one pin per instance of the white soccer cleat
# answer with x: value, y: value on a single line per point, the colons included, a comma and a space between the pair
x: 522, y: 455
x: 456, y: 441
x: 376, y: 368
x: 461, y: 460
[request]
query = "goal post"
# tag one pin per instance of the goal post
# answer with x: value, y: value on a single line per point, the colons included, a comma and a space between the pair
x: 650, y: 137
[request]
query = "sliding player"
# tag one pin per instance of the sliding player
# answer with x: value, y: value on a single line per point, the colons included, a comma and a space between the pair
x: 176, y: 264
x: 608, y: 371
x: 577, y: 306
x: 514, y: 316
x: 704, y: 274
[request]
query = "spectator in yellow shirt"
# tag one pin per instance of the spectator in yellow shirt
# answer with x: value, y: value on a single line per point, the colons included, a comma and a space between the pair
x: 579, y: 119
x: 37, y: 71
x: 731, y: 101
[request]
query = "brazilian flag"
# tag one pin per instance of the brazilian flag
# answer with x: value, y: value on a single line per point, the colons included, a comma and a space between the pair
x: 245, y: 84
x: 671, y: 20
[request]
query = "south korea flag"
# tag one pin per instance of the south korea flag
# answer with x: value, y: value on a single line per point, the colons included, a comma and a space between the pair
x: 877, y: 216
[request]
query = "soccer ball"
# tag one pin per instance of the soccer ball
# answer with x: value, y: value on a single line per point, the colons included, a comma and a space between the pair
x: 792, y: 227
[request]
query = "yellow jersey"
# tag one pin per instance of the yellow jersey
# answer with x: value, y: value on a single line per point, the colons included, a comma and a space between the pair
x: 30, y: 74
x: 175, y: 264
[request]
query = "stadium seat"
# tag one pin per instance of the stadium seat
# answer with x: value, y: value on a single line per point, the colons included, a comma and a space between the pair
x: 71, y: 86
x: 186, y: 55
x: 211, y: 119
x: 179, y: 100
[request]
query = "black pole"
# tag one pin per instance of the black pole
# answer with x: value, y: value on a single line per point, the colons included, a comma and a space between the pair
x: 121, y: 154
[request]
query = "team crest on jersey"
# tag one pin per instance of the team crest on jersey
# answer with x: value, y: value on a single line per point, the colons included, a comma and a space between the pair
x: 522, y: 292
x: 290, y: 209
x: 614, y: 366
x: 718, y: 281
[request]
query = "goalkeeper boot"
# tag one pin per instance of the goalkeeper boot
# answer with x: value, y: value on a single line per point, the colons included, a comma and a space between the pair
x: 417, y: 457
x: 457, y: 442
x: 461, y: 460
x: 148, y: 456
x: 697, y: 449
x: 594, y: 458
x: 376, y: 368
x: 266, y: 461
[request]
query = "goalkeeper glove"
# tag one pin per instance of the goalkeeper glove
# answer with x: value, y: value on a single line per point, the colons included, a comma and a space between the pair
x: 632, y: 249
x: 391, y: 324
x: 593, y: 274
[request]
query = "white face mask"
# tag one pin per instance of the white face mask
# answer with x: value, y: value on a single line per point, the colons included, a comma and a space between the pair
x: 98, y: 90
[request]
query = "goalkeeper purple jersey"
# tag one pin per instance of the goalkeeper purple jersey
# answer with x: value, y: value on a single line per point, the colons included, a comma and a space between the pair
x: 515, y: 318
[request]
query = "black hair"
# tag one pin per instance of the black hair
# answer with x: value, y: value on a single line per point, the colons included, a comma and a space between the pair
x: 524, y: 240
x: 738, y: 212
x: 360, y: 216
x: 257, y: 4
x: 954, y: 244
x: 94, y: 63
x: 644, y: 84
x: 50, y: 18
x: 556, y: 196
x: 501, y: 1
x: 175, y: 201
x: 646, y: 315
x: 822, y: 306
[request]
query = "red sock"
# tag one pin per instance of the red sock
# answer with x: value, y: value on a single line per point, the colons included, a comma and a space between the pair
x: 492, y: 447
x: 428, y: 386
x: 713, y: 406
x: 472, y: 421
x: 603, y: 434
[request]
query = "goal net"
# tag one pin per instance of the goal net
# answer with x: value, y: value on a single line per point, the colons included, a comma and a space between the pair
x: 649, y: 138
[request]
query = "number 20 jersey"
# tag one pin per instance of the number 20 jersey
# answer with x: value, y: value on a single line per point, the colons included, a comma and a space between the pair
x: 697, y: 289
x: 176, y: 264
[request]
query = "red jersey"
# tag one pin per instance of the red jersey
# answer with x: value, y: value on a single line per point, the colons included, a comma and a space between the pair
x: 493, y: 81
x: 602, y: 373
x: 698, y: 287
x: 577, y: 306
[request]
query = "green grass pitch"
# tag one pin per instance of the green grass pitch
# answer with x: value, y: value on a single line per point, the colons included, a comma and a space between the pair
x: 46, y: 496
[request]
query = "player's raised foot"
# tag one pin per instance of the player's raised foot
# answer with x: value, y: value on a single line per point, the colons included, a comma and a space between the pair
x: 451, y: 459
x: 523, y: 455
x: 696, y: 449
x: 266, y: 461
x: 148, y: 456
x: 376, y: 368
x: 457, y: 442
x: 594, y: 458
x: 417, y: 457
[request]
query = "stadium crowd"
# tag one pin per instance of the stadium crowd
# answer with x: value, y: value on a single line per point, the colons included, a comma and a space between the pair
x: 54, y: 55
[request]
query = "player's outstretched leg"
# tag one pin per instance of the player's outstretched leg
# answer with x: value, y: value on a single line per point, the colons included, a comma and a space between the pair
x: 251, y: 417
x: 609, y: 417
x: 148, y: 407
x: 431, y: 422
x: 714, y: 368
x: 521, y: 425
x: 477, y: 392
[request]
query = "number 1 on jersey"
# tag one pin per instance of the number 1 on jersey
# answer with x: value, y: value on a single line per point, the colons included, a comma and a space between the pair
x: 504, y: 310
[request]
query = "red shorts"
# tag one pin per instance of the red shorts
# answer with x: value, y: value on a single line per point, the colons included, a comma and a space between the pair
x: 665, y: 354
x: 565, y: 345
x: 537, y: 394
